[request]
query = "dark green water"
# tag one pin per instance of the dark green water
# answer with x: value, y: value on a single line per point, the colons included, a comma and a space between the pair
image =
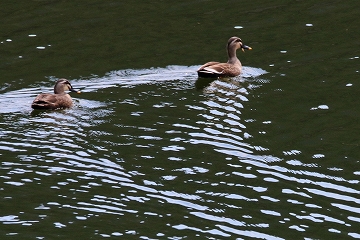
x: 151, y: 152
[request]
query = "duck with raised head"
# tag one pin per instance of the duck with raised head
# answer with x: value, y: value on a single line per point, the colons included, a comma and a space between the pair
x: 60, y: 99
x: 231, y: 68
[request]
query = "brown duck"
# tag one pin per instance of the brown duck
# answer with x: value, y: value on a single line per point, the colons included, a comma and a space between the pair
x: 230, y: 69
x: 60, y: 99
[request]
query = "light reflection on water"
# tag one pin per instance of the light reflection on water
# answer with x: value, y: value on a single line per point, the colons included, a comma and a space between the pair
x: 166, y: 153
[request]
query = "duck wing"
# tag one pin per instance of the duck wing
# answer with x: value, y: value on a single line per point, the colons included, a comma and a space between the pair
x: 51, y: 101
x: 207, y: 65
x: 219, y: 70
x: 210, y: 69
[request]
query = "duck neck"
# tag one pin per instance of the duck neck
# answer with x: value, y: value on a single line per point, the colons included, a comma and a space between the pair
x: 56, y: 88
x: 58, y: 91
x: 232, y: 58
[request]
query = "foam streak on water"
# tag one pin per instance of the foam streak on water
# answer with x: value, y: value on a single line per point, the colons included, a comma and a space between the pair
x: 169, y: 154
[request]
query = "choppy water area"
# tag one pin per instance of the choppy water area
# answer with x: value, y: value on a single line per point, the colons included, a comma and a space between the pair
x: 137, y: 159
x: 149, y: 151
x: 158, y: 153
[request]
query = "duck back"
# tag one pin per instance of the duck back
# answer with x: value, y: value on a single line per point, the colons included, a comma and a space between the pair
x: 52, y: 101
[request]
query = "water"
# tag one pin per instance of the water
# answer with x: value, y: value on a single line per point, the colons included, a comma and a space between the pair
x: 149, y: 151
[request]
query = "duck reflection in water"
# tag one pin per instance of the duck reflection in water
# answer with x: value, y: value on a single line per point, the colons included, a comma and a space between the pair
x: 60, y: 99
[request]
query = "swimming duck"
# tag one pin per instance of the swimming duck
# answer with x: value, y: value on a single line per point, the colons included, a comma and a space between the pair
x: 60, y: 99
x: 230, y: 69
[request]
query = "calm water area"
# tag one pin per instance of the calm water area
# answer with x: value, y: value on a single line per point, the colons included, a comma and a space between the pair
x: 149, y: 151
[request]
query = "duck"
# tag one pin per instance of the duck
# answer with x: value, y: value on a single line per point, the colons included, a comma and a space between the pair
x: 60, y: 99
x: 231, y: 68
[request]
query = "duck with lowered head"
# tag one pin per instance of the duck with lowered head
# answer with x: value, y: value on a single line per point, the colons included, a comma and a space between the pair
x: 231, y: 68
x: 60, y: 99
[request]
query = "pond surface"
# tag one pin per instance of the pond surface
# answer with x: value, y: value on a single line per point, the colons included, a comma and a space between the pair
x: 149, y: 151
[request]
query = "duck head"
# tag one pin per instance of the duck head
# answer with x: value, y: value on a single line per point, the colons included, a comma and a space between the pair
x: 236, y: 43
x: 63, y: 85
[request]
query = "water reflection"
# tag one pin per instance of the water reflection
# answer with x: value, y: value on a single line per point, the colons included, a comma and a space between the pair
x: 164, y: 153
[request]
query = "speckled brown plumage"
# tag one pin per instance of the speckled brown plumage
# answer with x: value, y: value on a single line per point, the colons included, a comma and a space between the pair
x: 60, y: 99
x: 231, y: 68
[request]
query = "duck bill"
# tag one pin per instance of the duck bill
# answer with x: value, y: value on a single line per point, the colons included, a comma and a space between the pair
x: 243, y: 47
x: 77, y: 91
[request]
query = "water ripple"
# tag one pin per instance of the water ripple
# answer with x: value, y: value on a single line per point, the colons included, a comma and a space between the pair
x: 168, y: 153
